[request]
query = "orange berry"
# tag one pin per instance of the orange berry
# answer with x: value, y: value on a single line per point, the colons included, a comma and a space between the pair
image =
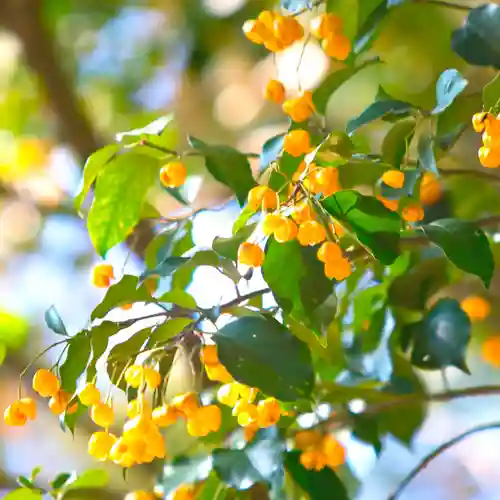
x: 212, y: 417
x: 329, y: 252
x: 273, y: 44
x: 100, y: 444
x: 102, y: 274
x: 102, y: 414
x: 391, y: 205
x: 313, y: 460
x: 394, y: 179
x: 488, y: 157
x: 250, y: 254
x: 490, y: 351
x: 301, y: 108
x: 256, y: 31
x: 275, y: 91
x: 286, y: 231
x: 311, y: 233
x: 302, y: 212
x: 208, y: 355
x: 140, y: 495
x: 413, y: 212
x: 326, y: 25
x: 246, y: 413
x: 173, y: 174
x: 287, y: 30
x: 480, y: 121
x: 262, y: 197
x: 165, y: 415
x: 89, y: 395
x: 45, y: 383
x: 218, y: 373
x: 186, y: 404
x: 28, y: 407
x: 269, y: 412
x: 337, y: 46
x: 338, y: 270
x: 297, y: 143
x: 267, y: 17
x: 249, y: 432
x: 184, y: 492
x: 152, y: 378
x: 431, y: 190
x: 271, y: 223
x: 14, y: 415
x: 334, y: 451
x: 134, y: 376
x: 59, y: 403
x: 327, y: 180
x: 476, y: 307
x: 126, y: 307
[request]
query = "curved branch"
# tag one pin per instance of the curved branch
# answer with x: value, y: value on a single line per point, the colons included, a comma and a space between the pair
x: 441, y: 449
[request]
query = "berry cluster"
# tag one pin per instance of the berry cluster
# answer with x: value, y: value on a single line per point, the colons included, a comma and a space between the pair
x: 319, y: 451
x: 274, y: 31
x: 327, y: 27
x: 489, y: 126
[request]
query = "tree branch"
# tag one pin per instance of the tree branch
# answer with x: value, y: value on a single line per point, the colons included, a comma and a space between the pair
x: 441, y: 449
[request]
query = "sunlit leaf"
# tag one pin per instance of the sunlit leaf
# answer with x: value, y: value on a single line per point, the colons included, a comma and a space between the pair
x: 449, y: 85
x: 76, y: 361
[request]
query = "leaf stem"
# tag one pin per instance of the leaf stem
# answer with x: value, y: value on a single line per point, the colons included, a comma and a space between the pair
x: 441, y: 449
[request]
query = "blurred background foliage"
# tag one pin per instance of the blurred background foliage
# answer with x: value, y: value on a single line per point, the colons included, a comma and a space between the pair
x: 75, y: 72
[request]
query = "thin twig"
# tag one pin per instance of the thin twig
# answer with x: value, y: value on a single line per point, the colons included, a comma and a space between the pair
x: 244, y: 298
x: 438, y: 451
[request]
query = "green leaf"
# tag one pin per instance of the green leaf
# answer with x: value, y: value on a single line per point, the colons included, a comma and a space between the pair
x: 348, y: 11
x: 92, y: 478
x: 228, y: 166
x: 76, y: 361
x: 465, y: 245
x: 126, y: 291
x: 271, y: 150
x: 449, y: 85
x: 260, y: 461
x: 168, y: 330
x: 319, y: 485
x: 165, y: 268
x: 334, y: 81
x: 213, y: 489
x: 54, y: 321
x: 60, y: 480
x: 426, y: 158
x: 241, y: 221
x: 179, y: 298
x: 68, y: 421
x: 25, y: 482
x: 228, y: 247
x: 148, y: 211
x: 99, y: 339
x: 441, y: 339
x: 260, y: 352
x: 375, y: 226
x: 397, y: 141
x: 119, y: 195
x: 491, y: 93
x: 94, y: 164
x: 35, y: 472
x: 160, y: 132
x: 23, y: 494
x: 478, y: 39
x: 185, y: 471
x: 377, y: 110
x: 288, y: 165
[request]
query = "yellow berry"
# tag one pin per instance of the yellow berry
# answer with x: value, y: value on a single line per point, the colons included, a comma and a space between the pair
x: 134, y: 376
x: 205, y: 420
x: 228, y: 394
x: 488, y: 157
x: 311, y: 233
x: 286, y: 231
x: 287, y: 30
x: 152, y: 378
x: 334, y: 452
x: 165, y: 415
x: 480, y: 121
x: 140, y: 495
x: 246, y: 413
x: 262, y: 197
x: 490, y: 351
x: 413, y: 212
x: 269, y: 412
x: 184, y: 492
x: 275, y: 91
x: 102, y: 414
x: 247, y: 393
x: 271, y: 223
x: 300, y: 108
x: 59, y: 403
x: 394, y: 179
x: 256, y: 31
x: 302, y: 212
x: 329, y: 252
x: 28, y: 407
x: 297, y: 143
x: 89, y: 395
x: 325, y: 25
x: 100, y: 444
x: 45, y: 383
x: 337, y: 46
x: 102, y: 274
x: 173, y: 174
x: 209, y: 355
x: 328, y: 180
x: 139, y: 406
x: 250, y: 254
x: 14, y: 415
x: 476, y: 307
x: 218, y: 373
x: 186, y: 404
x: 338, y: 270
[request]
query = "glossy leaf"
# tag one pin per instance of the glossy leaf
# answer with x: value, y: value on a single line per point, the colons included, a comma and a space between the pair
x: 260, y: 352
x: 94, y: 164
x: 426, y: 157
x: 92, y: 478
x: 126, y: 291
x: 168, y: 330
x: 228, y: 166
x: 54, y: 321
x: 441, y: 338
x: 465, y: 245
x: 449, y: 85
x: 185, y: 471
x: 228, y: 247
x: 258, y: 462
x: 378, y: 110
x: 397, y: 142
x: 319, y: 485
x: 179, y: 298
x: 162, y: 128
x: 334, y: 81
x: 478, y: 39
x: 60, y: 480
x: 376, y: 227
x: 271, y: 150
x: 99, y: 339
x: 76, y: 361
x: 491, y: 93
x: 23, y: 494
x: 119, y: 195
